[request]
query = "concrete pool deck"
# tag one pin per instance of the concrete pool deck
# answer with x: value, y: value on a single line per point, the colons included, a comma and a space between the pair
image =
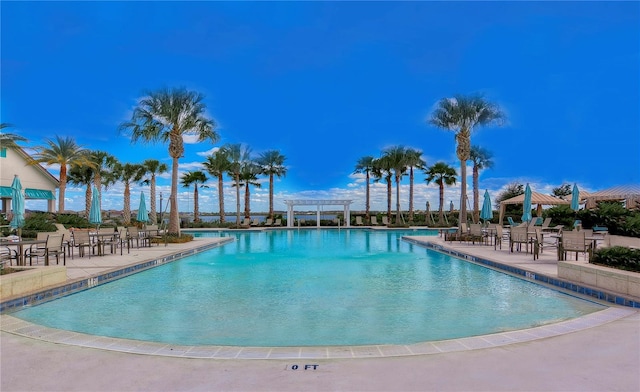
x: 600, y: 356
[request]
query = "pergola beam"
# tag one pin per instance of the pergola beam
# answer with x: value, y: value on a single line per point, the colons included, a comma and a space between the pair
x: 331, y: 202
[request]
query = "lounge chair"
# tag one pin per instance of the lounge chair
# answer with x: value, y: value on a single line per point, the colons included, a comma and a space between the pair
x: 268, y: 222
x: 511, y: 222
x: 359, y: 221
x: 255, y: 222
x: 385, y: 220
x: 545, y: 224
x: 246, y: 222
x: 374, y: 221
x: 278, y: 222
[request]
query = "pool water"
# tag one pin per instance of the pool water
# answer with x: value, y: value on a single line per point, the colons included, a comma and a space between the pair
x: 310, y: 288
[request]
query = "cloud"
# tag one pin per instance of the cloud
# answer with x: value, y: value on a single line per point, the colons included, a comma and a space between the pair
x: 208, y: 152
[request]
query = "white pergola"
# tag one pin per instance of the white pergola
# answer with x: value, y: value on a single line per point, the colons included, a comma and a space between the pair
x: 291, y: 203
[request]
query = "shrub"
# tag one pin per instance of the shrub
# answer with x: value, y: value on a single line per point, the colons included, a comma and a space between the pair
x: 618, y: 257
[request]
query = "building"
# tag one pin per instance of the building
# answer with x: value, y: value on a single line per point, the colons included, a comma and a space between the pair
x: 37, y: 182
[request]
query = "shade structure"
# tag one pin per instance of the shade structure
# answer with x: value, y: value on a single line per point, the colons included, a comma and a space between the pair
x: 575, y: 198
x: 536, y: 198
x: 143, y: 215
x: 628, y: 193
x: 526, y: 205
x: 17, y: 203
x: 95, y: 215
x: 487, y: 212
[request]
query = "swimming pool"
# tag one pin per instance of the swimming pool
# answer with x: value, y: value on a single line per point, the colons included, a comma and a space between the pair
x: 310, y: 288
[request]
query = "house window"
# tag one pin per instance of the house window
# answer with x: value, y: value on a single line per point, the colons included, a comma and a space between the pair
x: 3, y: 152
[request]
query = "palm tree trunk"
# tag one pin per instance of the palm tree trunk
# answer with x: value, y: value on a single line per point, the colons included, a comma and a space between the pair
x: 247, y: 201
x: 476, y: 212
x: 411, y: 194
x: 174, y: 217
x: 441, y: 209
x: 397, y: 199
x: 367, y: 213
x: 152, y: 214
x: 221, y: 198
x: 63, y: 187
x: 237, y: 199
x: 87, y: 200
x: 127, y: 205
x: 271, y: 195
x: 389, y: 198
x: 196, y: 210
x: 462, y: 219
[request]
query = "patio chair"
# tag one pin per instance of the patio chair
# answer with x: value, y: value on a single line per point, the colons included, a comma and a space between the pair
x: 82, y: 240
x: 133, y: 234
x: 517, y: 237
x: 121, y: 238
x: 255, y: 222
x: 359, y: 221
x: 475, y: 233
x: 385, y: 220
x: 545, y: 224
x: 574, y: 241
x: 374, y: 221
x: 53, y: 246
x: 497, y: 239
x: 278, y: 222
x: 246, y: 222
x: 7, y: 255
x: 268, y: 222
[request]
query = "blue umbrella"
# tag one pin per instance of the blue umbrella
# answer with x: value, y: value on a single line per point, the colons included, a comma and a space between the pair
x: 526, y: 214
x: 17, y: 203
x: 487, y: 212
x: 95, y: 215
x: 575, y: 198
x: 143, y: 215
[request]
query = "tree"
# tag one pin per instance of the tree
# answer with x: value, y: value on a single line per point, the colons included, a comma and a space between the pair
x: 82, y: 176
x: 9, y: 140
x: 272, y: 164
x: 397, y: 160
x: 442, y: 174
x: 562, y: 190
x: 238, y: 156
x: 128, y: 173
x: 413, y: 159
x: 63, y: 152
x: 248, y: 176
x: 481, y: 159
x: 511, y: 190
x: 166, y: 116
x: 365, y: 165
x: 195, y: 178
x: 153, y: 167
x: 461, y: 115
x: 103, y: 171
x: 217, y: 164
x: 382, y: 170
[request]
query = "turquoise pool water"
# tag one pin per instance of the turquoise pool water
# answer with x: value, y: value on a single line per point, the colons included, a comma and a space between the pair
x: 310, y: 288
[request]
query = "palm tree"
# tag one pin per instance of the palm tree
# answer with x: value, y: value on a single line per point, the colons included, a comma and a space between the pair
x: 460, y: 115
x: 82, y: 176
x: 217, y: 164
x: 248, y: 176
x: 166, y: 116
x: 413, y: 159
x: 63, y: 152
x: 102, y: 172
x: 8, y: 140
x: 397, y: 159
x: 442, y: 174
x: 481, y: 159
x: 272, y: 164
x: 195, y: 178
x: 365, y: 165
x: 382, y: 170
x: 238, y: 156
x: 128, y: 173
x: 153, y: 167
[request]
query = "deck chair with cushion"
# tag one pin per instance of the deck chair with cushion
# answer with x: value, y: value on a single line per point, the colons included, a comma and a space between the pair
x: 255, y: 222
x: 385, y: 220
x: 374, y: 221
x: 278, y: 222
x: 359, y: 221
x: 268, y: 222
x: 246, y: 222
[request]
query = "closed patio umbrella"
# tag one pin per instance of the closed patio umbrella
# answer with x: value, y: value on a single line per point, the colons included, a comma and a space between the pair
x: 143, y: 215
x: 575, y: 198
x: 17, y: 204
x: 95, y: 215
x: 526, y: 213
x: 487, y: 212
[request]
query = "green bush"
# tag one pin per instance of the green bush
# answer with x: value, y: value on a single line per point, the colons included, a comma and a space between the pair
x: 618, y: 257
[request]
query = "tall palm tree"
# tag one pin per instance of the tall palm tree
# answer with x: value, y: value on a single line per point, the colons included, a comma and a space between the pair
x: 248, y: 176
x: 194, y: 177
x: 365, y: 165
x: 217, y: 164
x: 460, y: 115
x: 166, y: 116
x: 153, y: 167
x: 102, y: 172
x: 272, y: 164
x: 382, y: 170
x: 413, y: 159
x: 8, y: 140
x: 442, y: 174
x: 63, y: 152
x: 397, y: 158
x: 238, y: 156
x: 128, y: 174
x: 82, y: 176
x: 481, y: 159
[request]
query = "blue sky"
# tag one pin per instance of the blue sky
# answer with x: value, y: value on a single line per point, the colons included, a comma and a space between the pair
x: 326, y: 83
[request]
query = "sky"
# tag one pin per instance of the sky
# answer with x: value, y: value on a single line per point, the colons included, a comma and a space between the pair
x: 326, y: 83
